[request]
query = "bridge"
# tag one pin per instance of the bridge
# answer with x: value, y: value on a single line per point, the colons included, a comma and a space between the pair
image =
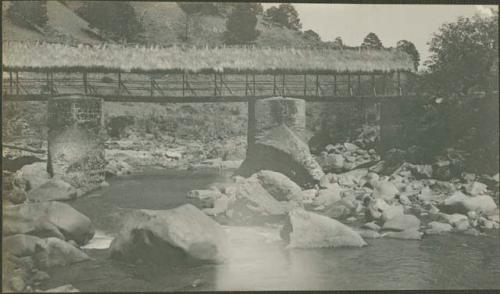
x: 76, y: 80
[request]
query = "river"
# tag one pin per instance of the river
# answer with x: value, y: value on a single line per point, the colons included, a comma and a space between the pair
x: 259, y: 259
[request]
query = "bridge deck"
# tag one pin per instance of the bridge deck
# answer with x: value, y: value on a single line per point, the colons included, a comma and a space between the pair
x: 203, y: 87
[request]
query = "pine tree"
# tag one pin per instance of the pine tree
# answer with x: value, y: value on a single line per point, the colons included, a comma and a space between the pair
x: 372, y: 41
x: 240, y: 26
x: 117, y: 18
x: 284, y: 15
x: 410, y: 48
x: 338, y: 43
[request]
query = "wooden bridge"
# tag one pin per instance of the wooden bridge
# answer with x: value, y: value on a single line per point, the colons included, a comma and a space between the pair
x: 177, y: 74
x: 178, y: 87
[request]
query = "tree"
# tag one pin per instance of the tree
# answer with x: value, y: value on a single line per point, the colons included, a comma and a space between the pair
x: 338, y: 43
x: 411, y: 50
x: 372, y: 41
x: 311, y: 35
x: 240, y: 26
x: 117, y: 18
x: 28, y: 13
x: 284, y: 15
x: 462, y: 54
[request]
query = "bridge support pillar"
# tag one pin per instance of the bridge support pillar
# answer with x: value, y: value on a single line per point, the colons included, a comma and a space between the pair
x: 276, y: 111
x: 76, y: 140
x: 390, y: 125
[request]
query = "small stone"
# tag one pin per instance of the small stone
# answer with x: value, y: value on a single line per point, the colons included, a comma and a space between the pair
x: 371, y: 226
x: 351, y: 219
x: 40, y: 276
x: 350, y: 147
x: 17, y: 284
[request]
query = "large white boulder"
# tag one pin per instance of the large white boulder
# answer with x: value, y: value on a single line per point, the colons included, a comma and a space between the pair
x: 277, y: 184
x: 31, y: 176
x: 328, y: 196
x: 402, y: 222
x: 52, y: 190
x: 162, y: 235
x: 20, y: 245
x: 47, y: 219
x: 461, y: 203
x: 438, y: 228
x: 56, y: 252
x: 310, y: 230
x: 385, y: 190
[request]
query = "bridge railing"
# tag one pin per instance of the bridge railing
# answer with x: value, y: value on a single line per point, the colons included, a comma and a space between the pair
x: 37, y: 84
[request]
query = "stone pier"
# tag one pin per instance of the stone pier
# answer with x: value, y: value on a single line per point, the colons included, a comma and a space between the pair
x: 76, y: 140
x: 276, y: 137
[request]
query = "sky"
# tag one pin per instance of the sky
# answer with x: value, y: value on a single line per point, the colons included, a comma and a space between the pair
x: 391, y: 23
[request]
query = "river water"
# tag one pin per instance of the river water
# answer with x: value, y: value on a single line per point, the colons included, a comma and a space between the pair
x: 259, y: 259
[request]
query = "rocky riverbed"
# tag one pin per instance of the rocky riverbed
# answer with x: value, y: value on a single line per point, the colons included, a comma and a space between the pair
x: 345, y: 208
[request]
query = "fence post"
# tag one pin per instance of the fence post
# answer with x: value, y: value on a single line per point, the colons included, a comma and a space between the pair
x: 274, y: 84
x: 349, y: 84
x: 246, y: 83
x: 85, y: 83
x: 17, y: 82
x: 119, y: 83
x: 283, y: 86
x: 399, y: 84
x: 317, y: 85
x: 305, y: 85
x: 334, y: 84
x: 253, y: 80
x: 10, y: 82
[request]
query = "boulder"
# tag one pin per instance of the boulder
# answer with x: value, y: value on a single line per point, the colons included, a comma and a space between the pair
x: 379, y: 209
x: 310, y: 230
x: 164, y: 235
x: 437, y: 228
x: 31, y: 176
x: 278, y: 185
x: 460, y: 203
x: 369, y: 234
x: 117, y: 167
x: 220, y: 205
x: 68, y: 288
x: 476, y: 188
x: 385, y: 190
x: 306, y: 196
x: 52, y: 190
x: 279, y: 149
x: 331, y: 162
x: 20, y: 245
x: 421, y: 171
x: 453, y: 219
x: 16, y: 196
x: 328, y: 196
x: 410, y: 234
x: 47, y: 219
x: 338, y: 211
x: 371, y: 226
x: 352, y: 178
x: 206, y: 197
x: 56, y: 252
x: 252, y: 205
x: 401, y: 222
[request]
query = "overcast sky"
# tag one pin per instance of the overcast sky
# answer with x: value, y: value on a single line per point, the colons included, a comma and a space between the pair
x: 391, y: 23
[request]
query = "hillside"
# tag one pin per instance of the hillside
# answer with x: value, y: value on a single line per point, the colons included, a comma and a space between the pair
x: 63, y: 26
x: 163, y: 22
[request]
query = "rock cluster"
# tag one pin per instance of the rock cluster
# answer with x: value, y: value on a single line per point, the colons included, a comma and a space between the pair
x: 345, y: 157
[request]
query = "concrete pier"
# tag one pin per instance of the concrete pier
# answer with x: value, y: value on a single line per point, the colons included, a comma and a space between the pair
x: 276, y: 140
x: 76, y: 140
